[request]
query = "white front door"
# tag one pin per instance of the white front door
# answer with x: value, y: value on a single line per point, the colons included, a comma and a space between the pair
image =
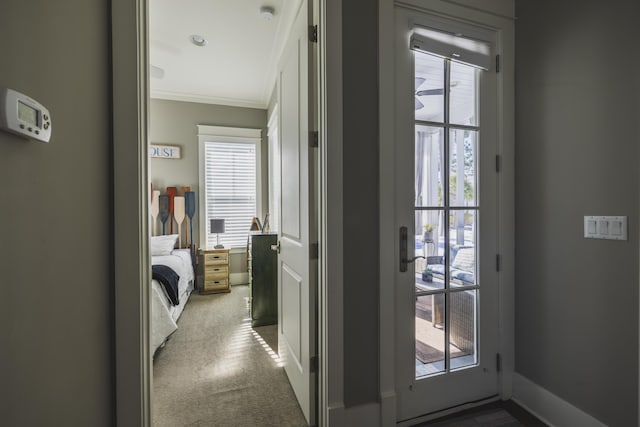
x: 446, y: 212
x: 296, y: 271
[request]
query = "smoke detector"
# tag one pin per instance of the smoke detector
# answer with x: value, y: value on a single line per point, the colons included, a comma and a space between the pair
x: 267, y: 12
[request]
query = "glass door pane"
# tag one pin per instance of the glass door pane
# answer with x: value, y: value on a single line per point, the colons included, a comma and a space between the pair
x: 446, y: 213
x: 462, y: 328
x: 463, y: 104
x: 430, y: 339
x: 463, y: 187
x: 462, y: 247
x: 429, y: 88
x: 429, y: 166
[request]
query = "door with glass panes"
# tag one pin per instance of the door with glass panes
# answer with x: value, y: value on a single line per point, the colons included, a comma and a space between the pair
x: 446, y: 211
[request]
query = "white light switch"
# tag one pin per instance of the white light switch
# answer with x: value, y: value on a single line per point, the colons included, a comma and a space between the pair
x: 605, y: 227
x: 615, y: 228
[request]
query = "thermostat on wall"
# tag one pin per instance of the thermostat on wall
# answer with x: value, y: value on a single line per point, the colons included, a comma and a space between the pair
x: 24, y: 116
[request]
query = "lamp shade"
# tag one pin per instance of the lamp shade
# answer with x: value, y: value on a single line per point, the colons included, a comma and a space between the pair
x: 217, y: 226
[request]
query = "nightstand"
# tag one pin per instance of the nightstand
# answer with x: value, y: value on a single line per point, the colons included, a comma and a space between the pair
x: 213, y: 266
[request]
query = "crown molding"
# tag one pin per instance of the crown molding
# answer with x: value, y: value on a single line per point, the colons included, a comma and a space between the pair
x: 206, y: 99
x: 288, y: 16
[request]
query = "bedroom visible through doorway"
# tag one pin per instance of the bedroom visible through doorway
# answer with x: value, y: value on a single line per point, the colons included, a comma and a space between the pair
x: 227, y: 136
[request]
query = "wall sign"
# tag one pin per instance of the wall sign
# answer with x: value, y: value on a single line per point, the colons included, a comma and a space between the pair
x: 164, y: 151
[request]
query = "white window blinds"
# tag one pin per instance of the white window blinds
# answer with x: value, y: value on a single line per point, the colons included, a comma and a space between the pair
x: 475, y: 53
x: 230, y: 193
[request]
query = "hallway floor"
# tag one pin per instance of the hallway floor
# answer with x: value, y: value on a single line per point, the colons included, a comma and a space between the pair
x: 495, y: 414
x: 218, y: 371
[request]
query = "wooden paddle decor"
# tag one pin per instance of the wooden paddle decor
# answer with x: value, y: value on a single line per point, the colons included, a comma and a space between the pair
x: 181, y: 192
x: 164, y: 210
x: 178, y: 214
x: 171, y: 192
x: 155, y: 209
x: 190, y: 207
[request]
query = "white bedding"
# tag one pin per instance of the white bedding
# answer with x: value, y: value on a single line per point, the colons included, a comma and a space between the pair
x: 163, y: 314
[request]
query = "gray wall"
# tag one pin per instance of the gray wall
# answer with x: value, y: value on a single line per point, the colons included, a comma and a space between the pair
x: 361, y: 218
x: 175, y: 123
x: 56, y: 347
x: 577, y: 154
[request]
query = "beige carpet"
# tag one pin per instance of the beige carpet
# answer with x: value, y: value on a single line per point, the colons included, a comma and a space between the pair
x: 217, y: 371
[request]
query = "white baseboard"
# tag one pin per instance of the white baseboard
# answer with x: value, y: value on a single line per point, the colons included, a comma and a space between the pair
x: 548, y: 407
x: 388, y: 408
x: 335, y: 415
x: 238, y: 278
x: 362, y: 415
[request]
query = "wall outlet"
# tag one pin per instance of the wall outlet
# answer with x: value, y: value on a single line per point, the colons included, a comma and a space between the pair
x: 605, y: 227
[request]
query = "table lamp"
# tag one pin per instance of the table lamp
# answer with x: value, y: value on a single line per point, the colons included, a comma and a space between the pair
x: 217, y: 226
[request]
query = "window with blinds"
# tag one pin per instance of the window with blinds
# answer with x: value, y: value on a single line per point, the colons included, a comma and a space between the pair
x: 230, y: 179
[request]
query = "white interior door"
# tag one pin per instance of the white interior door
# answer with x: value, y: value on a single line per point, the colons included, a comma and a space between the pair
x: 446, y: 204
x: 296, y: 272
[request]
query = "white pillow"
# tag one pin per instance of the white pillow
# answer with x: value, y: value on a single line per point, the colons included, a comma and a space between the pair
x: 163, y: 245
x: 465, y: 260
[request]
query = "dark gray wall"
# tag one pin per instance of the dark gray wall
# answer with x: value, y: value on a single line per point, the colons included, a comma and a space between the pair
x: 56, y: 347
x: 175, y: 123
x: 577, y: 154
x: 361, y: 217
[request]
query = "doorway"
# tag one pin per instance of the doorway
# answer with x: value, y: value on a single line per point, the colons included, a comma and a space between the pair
x: 130, y: 107
x: 450, y: 305
x: 446, y: 307
x: 226, y: 189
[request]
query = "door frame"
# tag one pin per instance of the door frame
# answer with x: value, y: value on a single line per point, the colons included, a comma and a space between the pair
x: 389, y: 247
x: 132, y: 358
x: 132, y: 382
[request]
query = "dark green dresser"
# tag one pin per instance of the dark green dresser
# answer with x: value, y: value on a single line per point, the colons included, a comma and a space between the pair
x: 263, y: 280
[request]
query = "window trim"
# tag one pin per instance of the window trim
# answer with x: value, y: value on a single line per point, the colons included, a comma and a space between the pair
x: 208, y: 133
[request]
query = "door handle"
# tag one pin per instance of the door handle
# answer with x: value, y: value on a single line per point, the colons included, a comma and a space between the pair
x: 404, y: 250
x: 276, y: 247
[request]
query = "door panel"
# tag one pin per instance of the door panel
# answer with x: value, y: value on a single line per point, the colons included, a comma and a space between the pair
x: 291, y: 311
x: 290, y: 117
x: 296, y: 272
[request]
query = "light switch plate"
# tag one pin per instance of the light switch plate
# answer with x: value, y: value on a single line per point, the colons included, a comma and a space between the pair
x: 605, y: 227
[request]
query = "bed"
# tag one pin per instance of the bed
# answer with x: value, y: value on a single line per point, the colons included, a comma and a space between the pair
x: 164, y: 314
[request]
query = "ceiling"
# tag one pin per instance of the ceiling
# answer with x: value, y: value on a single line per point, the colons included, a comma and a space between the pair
x: 238, y: 64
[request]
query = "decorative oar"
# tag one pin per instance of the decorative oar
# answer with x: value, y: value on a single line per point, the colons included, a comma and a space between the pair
x: 178, y: 214
x: 181, y: 192
x: 171, y: 192
x: 190, y: 207
x: 164, y: 210
x: 155, y: 209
